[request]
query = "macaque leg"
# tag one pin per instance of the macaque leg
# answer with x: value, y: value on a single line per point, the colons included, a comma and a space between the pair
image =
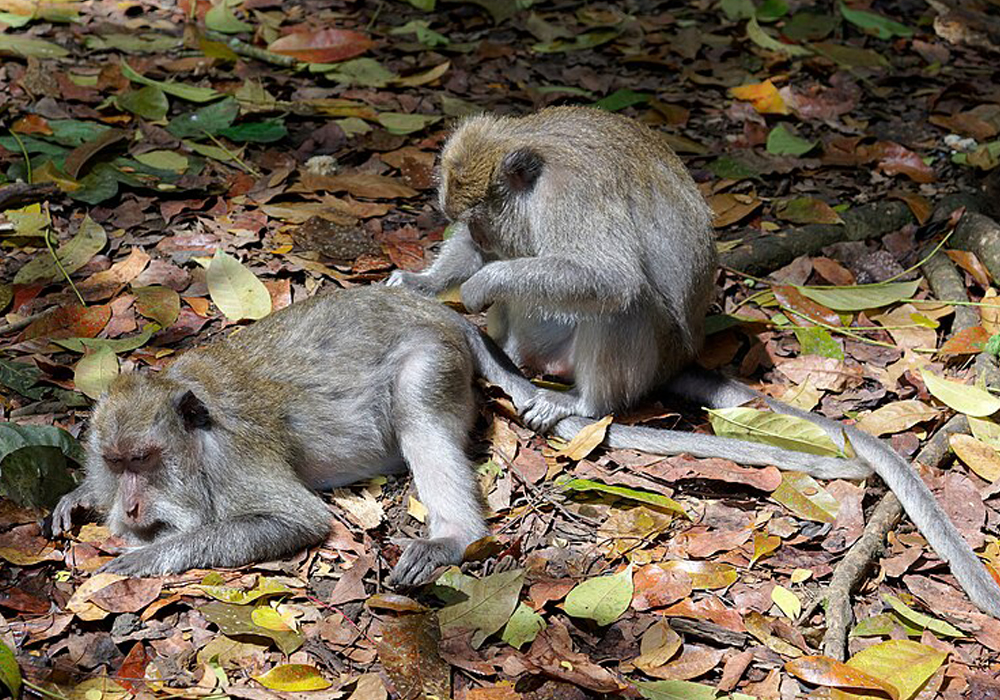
x: 604, y: 382
x: 458, y: 260
x: 236, y: 539
x: 434, y: 408
x: 541, y: 343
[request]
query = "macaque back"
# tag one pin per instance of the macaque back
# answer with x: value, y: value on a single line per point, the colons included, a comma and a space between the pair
x: 212, y: 462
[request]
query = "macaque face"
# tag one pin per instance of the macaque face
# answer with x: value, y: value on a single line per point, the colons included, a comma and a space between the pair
x: 141, y: 441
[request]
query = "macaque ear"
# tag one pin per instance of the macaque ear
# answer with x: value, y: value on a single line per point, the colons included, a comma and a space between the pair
x: 520, y: 169
x: 193, y: 412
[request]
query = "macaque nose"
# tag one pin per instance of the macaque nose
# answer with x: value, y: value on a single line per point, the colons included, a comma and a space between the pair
x: 133, y: 511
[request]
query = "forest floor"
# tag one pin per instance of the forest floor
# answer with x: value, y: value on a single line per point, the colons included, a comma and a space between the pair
x: 170, y: 171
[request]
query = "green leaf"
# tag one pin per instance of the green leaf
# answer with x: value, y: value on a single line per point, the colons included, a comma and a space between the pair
x: 158, y: 303
x: 220, y: 18
x: 810, y: 25
x: 425, y: 5
x: 73, y: 255
x: 148, y: 102
x: 769, y: 43
x: 366, y: 72
x: 237, y: 620
x: 676, y: 690
x: 482, y: 605
x: 993, y: 345
x: 522, y: 627
x: 587, y: 40
x: 21, y: 377
x: 918, y: 619
x: 861, y: 297
x: 782, y: 142
x: 402, y: 124
x: 964, y: 398
x: 211, y: 119
x: 818, y: 341
x: 772, y: 10
x: 807, y: 210
x: 115, y: 345
x: 293, y: 678
x: 737, y: 10
x: 425, y: 35
x: 30, y: 47
x: 267, y: 131
x: 788, y: 432
x: 620, y: 99
x: 733, y: 169
x: 134, y: 43
x: 10, y: 674
x: 95, y: 372
x: 603, y: 599
x: 190, y: 93
x: 265, y: 588
x: 806, y: 498
x: 99, y: 185
x: 163, y: 160
x: 33, y: 470
x: 235, y: 290
x: 653, y: 499
x: 75, y: 132
x: 882, y: 27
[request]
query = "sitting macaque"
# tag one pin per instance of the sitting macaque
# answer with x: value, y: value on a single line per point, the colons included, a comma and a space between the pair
x: 214, y: 461
x: 591, y: 246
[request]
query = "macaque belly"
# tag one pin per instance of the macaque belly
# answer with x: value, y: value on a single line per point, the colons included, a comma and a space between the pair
x: 542, y: 344
x: 348, y: 450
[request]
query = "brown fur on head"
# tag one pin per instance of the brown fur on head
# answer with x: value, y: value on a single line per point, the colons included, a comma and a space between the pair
x: 469, y: 161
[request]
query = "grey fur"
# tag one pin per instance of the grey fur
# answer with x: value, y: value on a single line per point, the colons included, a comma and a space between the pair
x: 329, y: 391
x: 600, y: 264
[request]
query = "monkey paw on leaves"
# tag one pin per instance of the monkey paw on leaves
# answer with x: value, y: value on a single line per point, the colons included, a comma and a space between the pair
x: 421, y: 557
x: 546, y: 408
x: 62, y: 516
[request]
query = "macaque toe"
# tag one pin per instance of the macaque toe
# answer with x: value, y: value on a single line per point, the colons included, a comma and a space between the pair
x: 422, y: 557
x: 546, y: 408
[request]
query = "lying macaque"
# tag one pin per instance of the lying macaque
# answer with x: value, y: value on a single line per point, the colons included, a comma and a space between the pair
x: 214, y: 461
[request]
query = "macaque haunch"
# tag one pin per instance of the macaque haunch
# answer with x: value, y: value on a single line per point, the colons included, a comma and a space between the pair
x: 591, y: 246
x: 213, y: 461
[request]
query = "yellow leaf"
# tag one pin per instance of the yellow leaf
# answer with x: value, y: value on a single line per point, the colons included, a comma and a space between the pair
x: 589, y: 437
x: 787, y: 601
x: 763, y: 96
x: 976, y: 455
x: 293, y: 678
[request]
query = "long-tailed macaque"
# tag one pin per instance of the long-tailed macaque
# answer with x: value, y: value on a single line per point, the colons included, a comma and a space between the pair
x: 592, y: 247
x: 213, y: 461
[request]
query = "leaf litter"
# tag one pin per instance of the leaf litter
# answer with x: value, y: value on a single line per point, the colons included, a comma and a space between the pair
x: 192, y: 145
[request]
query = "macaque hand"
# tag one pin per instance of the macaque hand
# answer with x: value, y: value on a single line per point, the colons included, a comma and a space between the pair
x: 139, y: 563
x: 479, y: 291
x: 62, y: 516
x: 422, y: 557
x: 546, y: 408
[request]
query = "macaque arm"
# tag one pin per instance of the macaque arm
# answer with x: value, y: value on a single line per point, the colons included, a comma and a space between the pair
x: 234, y: 540
x: 458, y: 260
x: 493, y: 365
x: 560, y: 283
x: 716, y: 391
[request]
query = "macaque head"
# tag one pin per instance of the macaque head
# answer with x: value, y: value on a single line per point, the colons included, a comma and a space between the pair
x: 482, y: 164
x: 146, y: 440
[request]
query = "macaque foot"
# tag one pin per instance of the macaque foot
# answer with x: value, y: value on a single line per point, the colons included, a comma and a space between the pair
x: 546, y: 408
x: 421, y: 557
x: 62, y: 516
